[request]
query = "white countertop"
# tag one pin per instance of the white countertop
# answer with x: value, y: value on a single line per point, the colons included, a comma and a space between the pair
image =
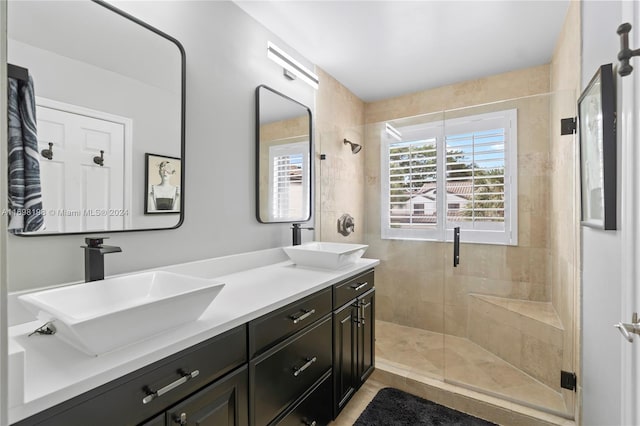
x: 55, y: 372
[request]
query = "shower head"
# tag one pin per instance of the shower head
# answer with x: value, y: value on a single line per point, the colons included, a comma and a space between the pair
x: 355, y: 148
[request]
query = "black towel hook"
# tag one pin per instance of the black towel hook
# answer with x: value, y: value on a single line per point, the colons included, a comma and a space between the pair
x: 625, y: 53
x: 48, y: 153
x: 99, y: 160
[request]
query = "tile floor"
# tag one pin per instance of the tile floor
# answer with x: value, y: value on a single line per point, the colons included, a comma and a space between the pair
x: 413, y: 360
x: 422, y: 353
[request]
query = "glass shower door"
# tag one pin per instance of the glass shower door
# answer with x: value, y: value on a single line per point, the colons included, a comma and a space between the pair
x: 401, y: 228
x: 510, y: 303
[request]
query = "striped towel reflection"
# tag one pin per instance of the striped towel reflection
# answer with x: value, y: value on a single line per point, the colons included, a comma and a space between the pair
x: 25, y: 196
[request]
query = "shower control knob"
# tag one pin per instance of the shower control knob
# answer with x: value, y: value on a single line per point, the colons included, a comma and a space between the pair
x: 346, y: 224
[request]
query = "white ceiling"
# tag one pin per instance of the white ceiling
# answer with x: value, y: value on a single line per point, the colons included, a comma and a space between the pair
x: 108, y: 40
x: 381, y: 49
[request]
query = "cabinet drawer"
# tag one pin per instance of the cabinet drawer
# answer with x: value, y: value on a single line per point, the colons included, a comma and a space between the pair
x: 348, y: 290
x: 271, y: 329
x: 283, y: 374
x: 315, y: 409
x: 121, y: 402
x: 223, y: 403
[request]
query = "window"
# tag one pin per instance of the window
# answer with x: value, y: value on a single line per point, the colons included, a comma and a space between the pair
x: 471, y: 161
x: 286, y: 179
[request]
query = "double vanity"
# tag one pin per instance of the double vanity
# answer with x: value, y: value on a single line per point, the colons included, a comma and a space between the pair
x: 248, y: 339
x: 281, y: 343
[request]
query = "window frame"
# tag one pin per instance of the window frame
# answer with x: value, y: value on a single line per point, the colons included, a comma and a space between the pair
x: 296, y: 147
x: 443, y: 228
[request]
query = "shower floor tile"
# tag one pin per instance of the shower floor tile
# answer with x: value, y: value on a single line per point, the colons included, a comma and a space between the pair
x: 425, y: 353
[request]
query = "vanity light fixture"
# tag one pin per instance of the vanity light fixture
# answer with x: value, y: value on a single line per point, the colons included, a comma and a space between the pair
x: 291, y: 66
x: 392, y: 131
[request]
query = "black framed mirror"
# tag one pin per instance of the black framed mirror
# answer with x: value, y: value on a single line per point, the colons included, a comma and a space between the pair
x: 102, y: 107
x: 284, y: 149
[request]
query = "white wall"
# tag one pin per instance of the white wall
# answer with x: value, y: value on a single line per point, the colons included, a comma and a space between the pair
x: 154, y: 111
x: 4, y: 379
x: 601, y: 250
x: 226, y: 60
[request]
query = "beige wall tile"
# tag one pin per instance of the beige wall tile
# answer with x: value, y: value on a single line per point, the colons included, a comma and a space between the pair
x: 541, y: 360
x: 340, y: 177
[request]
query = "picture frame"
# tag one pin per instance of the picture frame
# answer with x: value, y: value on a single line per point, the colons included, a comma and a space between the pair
x: 597, y: 133
x: 162, y: 184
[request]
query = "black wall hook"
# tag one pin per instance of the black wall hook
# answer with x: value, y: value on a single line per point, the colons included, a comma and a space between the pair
x: 48, y: 153
x: 625, y: 53
x: 99, y: 160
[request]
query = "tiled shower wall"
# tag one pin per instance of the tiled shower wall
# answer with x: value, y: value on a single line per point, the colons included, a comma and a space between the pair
x: 340, y: 176
x: 415, y: 277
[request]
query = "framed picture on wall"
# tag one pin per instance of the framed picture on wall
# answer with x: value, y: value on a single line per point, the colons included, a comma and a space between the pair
x: 162, y: 184
x: 597, y: 132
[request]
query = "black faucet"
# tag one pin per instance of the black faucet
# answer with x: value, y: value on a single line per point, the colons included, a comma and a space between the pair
x: 297, y: 234
x: 94, y: 253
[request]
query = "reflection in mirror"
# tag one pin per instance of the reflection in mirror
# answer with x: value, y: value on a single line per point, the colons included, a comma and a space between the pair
x: 283, y: 152
x: 109, y: 89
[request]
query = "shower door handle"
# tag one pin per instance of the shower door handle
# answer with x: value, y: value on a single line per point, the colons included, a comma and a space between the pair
x: 456, y: 246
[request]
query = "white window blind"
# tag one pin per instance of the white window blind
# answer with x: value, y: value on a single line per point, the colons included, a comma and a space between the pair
x: 477, y: 180
x: 286, y: 180
x: 410, y: 173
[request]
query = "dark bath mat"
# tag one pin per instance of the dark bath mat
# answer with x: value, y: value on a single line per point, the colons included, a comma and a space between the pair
x: 392, y: 407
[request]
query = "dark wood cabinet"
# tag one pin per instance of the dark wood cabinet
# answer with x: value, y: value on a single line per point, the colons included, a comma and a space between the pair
x: 344, y: 355
x: 223, y: 403
x: 271, y: 329
x: 151, y: 390
x: 352, y: 288
x: 282, y: 375
x: 353, y: 346
x: 297, y: 365
x: 314, y: 409
x: 156, y: 421
x: 366, y: 336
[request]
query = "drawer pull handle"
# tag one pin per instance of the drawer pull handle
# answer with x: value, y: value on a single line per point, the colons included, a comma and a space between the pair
x: 306, y: 314
x: 363, y: 305
x: 151, y: 395
x: 359, y: 286
x: 309, y: 422
x: 310, y: 361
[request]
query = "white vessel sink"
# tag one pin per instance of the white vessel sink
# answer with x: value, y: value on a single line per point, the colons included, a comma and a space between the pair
x: 325, y: 255
x: 99, y: 316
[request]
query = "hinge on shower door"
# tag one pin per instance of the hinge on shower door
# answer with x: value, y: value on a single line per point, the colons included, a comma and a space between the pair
x: 568, y: 380
x: 567, y: 126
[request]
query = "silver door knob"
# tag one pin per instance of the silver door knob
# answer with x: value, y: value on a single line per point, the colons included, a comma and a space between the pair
x: 628, y: 329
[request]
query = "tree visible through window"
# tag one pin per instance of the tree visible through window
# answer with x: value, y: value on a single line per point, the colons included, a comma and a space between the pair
x: 471, y: 161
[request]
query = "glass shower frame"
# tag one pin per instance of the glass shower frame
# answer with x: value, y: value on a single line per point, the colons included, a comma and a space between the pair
x: 515, y: 305
x: 419, y: 296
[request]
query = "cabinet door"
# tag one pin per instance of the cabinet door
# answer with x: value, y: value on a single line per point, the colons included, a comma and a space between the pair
x: 156, y: 421
x: 284, y: 373
x: 366, y: 336
x: 315, y: 409
x: 224, y: 403
x: 344, y: 355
